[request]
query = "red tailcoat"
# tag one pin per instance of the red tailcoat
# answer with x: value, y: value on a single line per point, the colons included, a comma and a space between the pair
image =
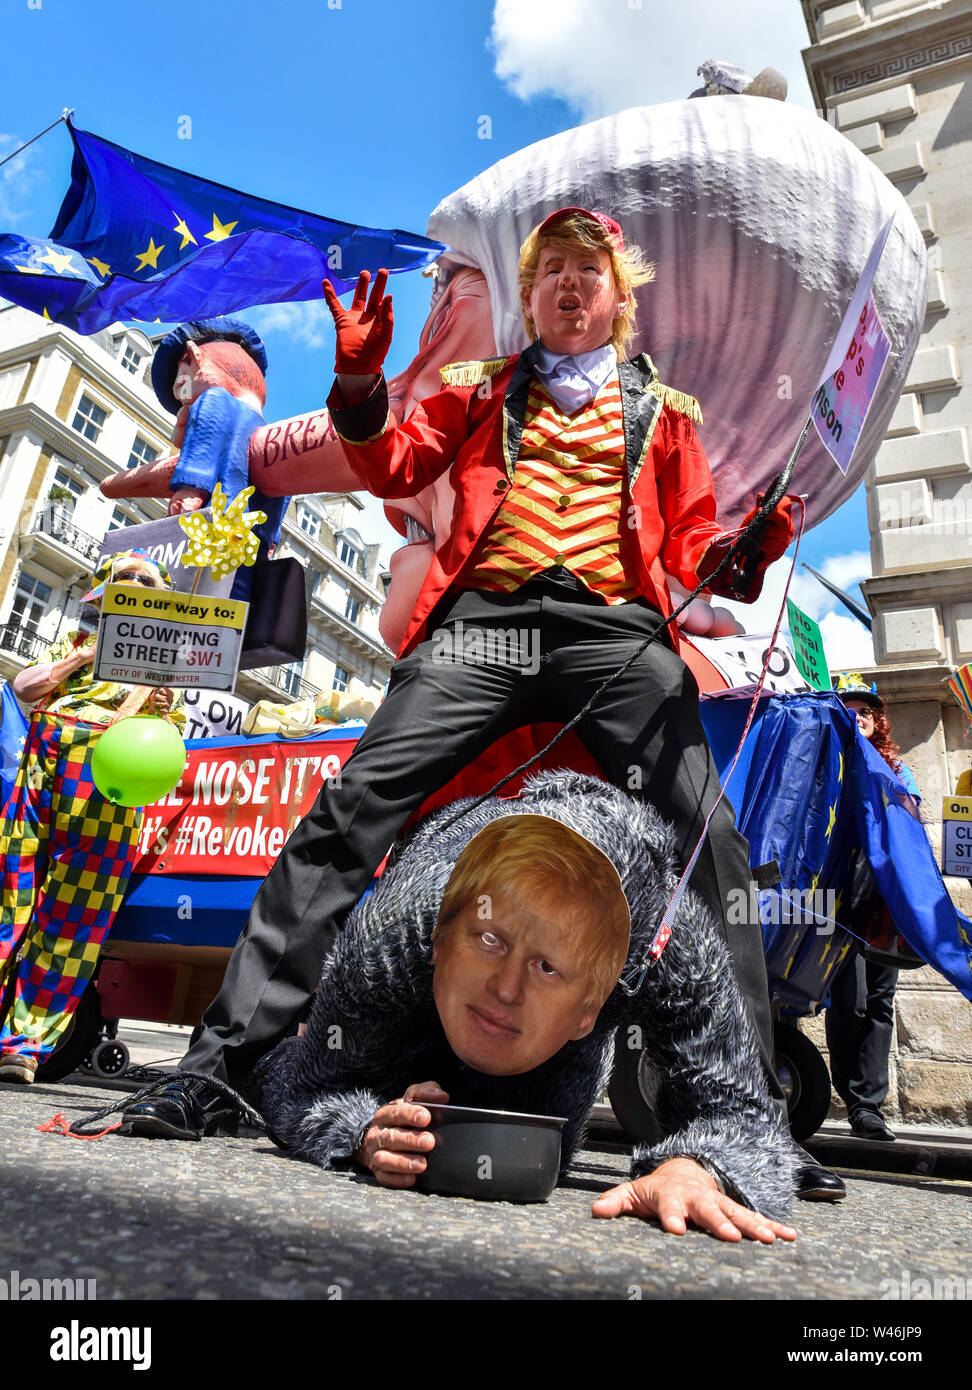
x: 476, y: 429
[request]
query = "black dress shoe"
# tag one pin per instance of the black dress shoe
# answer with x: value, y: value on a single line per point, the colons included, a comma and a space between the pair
x: 183, y: 1108
x: 869, y: 1124
x: 814, y: 1183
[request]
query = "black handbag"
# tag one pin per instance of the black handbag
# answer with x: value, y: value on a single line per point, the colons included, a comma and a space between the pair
x: 276, y: 626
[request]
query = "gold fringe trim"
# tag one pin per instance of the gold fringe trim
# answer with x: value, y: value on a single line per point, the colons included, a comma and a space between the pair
x: 677, y: 400
x: 472, y: 373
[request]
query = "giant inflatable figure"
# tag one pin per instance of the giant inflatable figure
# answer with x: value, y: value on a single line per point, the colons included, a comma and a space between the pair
x: 759, y: 218
x: 209, y: 373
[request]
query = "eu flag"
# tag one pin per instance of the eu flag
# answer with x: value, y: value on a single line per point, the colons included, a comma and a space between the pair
x: 135, y: 239
x: 906, y: 870
x: 13, y: 731
x: 809, y: 792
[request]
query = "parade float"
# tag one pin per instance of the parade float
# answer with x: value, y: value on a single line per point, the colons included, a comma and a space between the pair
x: 759, y: 218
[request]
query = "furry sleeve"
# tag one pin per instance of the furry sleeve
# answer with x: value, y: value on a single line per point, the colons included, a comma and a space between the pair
x: 713, y: 1104
x: 319, y: 1092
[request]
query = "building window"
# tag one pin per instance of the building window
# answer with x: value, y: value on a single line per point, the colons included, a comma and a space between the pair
x: 352, y: 608
x: 120, y: 518
x: 89, y: 419
x: 31, y: 601
x: 349, y: 554
x: 132, y: 360
x: 341, y: 679
x: 290, y: 678
x: 142, y: 452
x: 309, y: 523
x: 76, y: 486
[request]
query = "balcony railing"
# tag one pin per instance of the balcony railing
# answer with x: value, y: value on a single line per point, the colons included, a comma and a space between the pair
x: 284, y: 680
x: 56, y: 523
x: 23, y: 641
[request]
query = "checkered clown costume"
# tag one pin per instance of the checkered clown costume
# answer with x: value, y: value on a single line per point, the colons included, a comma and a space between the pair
x: 66, y: 852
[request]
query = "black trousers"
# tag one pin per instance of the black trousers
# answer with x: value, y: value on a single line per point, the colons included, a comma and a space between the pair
x: 535, y: 655
x: 860, y: 1025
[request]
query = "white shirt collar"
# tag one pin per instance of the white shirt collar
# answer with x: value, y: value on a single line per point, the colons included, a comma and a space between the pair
x: 574, y: 379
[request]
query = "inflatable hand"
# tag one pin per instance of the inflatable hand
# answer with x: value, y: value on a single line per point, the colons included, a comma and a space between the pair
x: 364, y: 332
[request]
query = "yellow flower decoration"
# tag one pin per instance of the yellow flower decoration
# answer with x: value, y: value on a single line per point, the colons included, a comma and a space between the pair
x: 227, y: 541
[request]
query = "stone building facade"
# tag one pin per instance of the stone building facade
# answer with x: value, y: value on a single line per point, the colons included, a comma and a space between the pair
x: 894, y: 77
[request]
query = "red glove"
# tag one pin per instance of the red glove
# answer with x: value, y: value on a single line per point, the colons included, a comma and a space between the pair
x: 364, y: 334
x: 778, y: 531
x: 746, y: 585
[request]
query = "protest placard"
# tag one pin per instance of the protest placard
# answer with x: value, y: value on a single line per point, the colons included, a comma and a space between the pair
x: 808, y: 647
x: 957, y: 836
x: 155, y: 637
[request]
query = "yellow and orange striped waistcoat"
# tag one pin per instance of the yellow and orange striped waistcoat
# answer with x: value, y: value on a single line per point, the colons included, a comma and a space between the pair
x: 566, y: 505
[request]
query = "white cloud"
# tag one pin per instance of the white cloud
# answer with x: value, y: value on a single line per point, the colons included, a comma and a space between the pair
x: 307, y: 322
x: 604, y: 57
x: 18, y: 179
x: 847, y: 642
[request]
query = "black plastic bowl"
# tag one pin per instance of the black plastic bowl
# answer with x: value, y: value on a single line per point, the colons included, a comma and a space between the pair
x: 493, y: 1155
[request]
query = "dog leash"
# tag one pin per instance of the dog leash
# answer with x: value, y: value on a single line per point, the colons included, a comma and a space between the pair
x: 633, y: 979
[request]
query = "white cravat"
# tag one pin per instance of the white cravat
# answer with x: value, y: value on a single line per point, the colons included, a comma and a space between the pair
x: 574, y: 380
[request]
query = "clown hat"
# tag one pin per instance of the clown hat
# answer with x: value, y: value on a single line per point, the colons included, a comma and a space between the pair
x: 103, y: 574
x: 852, y: 686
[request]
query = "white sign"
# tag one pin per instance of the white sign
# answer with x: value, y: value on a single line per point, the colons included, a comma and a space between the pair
x: 852, y: 314
x: 957, y: 836
x: 740, y: 660
x: 155, y: 637
x: 841, y: 404
x: 214, y: 714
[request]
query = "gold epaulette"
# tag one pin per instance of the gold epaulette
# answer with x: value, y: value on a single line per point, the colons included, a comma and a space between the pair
x: 678, y: 400
x: 472, y: 373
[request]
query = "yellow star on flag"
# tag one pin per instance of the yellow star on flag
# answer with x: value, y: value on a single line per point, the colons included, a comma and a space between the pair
x: 47, y: 316
x: 184, y: 232
x: 30, y: 270
x: 221, y: 230
x: 100, y: 266
x: 832, y: 812
x: 60, y: 260
x: 840, y: 768
x: 227, y: 541
x: 150, y: 256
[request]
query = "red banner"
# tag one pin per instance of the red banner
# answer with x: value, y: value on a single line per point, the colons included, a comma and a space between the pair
x: 234, y: 808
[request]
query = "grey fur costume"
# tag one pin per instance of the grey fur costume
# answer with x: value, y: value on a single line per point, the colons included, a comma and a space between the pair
x: 374, y: 1029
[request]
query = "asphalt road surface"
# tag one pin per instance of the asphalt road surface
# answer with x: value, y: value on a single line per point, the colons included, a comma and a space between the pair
x: 235, y: 1218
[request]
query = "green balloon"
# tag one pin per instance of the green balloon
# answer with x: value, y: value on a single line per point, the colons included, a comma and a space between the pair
x: 138, y: 760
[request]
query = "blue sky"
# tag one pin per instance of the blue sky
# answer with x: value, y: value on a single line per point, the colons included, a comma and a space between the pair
x: 371, y: 111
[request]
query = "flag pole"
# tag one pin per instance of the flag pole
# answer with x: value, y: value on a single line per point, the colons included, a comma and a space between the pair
x: 65, y: 115
x: 744, y: 568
